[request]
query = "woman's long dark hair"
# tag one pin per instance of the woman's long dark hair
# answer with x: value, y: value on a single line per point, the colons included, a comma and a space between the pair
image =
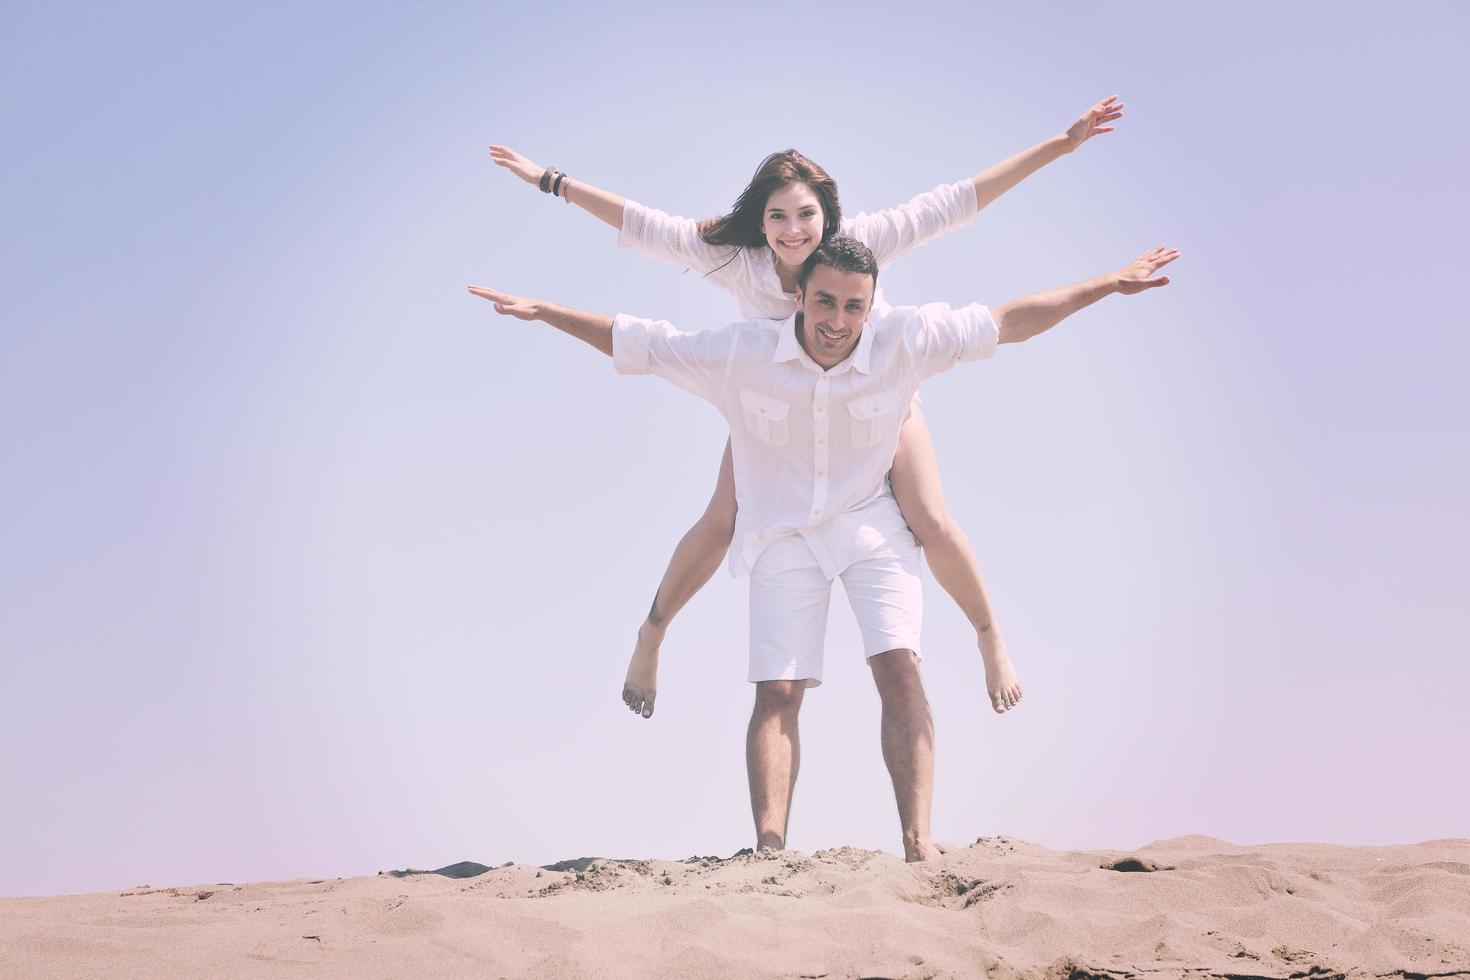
x: 742, y: 226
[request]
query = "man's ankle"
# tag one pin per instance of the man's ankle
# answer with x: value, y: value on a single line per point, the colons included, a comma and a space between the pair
x: 913, y: 840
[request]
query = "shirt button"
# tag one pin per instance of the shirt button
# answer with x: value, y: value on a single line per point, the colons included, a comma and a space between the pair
x: 820, y: 440
x: 821, y: 472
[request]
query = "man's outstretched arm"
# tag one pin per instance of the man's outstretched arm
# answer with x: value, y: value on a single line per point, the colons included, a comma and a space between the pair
x: 594, y: 328
x: 697, y: 362
x: 1024, y: 318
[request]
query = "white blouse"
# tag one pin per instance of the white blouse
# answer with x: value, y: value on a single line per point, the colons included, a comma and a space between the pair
x: 749, y: 272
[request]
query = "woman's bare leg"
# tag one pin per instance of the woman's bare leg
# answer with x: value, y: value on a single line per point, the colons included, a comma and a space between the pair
x: 915, y: 479
x: 696, y: 558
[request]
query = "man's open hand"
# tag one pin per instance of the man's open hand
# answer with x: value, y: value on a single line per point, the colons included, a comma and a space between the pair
x: 1094, y: 121
x: 516, y: 306
x: 1136, y: 276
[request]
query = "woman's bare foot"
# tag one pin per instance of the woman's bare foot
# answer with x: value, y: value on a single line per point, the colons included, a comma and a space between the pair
x: 1000, y: 677
x: 641, y: 684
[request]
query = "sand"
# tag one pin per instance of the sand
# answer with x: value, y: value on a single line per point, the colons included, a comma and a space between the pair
x: 1187, y: 907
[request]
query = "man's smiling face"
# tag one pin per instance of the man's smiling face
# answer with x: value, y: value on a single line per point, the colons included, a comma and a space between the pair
x: 833, y: 306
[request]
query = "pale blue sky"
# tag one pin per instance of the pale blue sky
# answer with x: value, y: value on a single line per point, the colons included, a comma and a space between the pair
x: 312, y: 565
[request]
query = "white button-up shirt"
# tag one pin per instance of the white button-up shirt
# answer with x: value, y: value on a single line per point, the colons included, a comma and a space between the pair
x: 749, y: 273
x: 811, y: 448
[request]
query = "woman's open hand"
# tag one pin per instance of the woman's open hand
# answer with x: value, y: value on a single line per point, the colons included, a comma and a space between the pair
x: 1094, y: 121
x: 522, y: 166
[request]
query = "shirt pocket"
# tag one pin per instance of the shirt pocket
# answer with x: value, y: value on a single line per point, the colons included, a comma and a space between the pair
x: 765, y: 417
x: 874, y: 417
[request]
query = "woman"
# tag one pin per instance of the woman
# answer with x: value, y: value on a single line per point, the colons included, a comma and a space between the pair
x: 756, y: 252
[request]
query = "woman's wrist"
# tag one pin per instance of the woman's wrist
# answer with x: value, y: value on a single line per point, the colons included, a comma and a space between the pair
x: 554, y: 182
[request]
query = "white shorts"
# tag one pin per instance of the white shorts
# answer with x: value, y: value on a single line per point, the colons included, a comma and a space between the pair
x: 789, y: 596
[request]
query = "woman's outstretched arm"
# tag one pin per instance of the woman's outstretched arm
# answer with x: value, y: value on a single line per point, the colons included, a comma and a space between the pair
x: 603, y: 205
x: 665, y: 237
x: 996, y: 179
x: 895, y: 232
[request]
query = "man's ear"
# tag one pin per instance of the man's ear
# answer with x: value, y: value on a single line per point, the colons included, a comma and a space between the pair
x: 799, y: 292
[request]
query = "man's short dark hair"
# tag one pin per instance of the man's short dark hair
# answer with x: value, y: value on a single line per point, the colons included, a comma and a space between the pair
x: 843, y: 254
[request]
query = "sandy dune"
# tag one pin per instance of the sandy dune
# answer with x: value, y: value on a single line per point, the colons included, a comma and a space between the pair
x: 998, y: 908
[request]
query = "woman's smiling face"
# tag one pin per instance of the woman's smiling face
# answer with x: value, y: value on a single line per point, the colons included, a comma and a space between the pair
x: 793, y: 223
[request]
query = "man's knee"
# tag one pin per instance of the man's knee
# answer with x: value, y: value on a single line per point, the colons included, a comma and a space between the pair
x: 897, y: 673
x: 779, y: 697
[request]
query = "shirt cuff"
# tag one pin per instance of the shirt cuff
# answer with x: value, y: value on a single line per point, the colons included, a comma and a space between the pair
x: 634, y: 218
x: 630, y: 344
x: 983, y: 336
x: 968, y: 204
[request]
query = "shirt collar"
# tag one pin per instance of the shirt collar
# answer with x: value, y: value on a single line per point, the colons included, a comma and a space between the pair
x: 788, y: 347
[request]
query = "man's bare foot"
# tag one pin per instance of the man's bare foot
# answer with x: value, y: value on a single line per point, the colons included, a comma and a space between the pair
x: 1001, y: 681
x: 923, y: 850
x: 641, y: 684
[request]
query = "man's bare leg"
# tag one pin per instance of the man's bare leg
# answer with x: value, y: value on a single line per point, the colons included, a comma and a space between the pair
x: 696, y: 558
x: 908, y: 747
x: 916, y: 486
x: 772, y: 758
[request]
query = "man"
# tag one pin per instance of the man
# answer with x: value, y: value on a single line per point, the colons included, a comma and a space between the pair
x: 814, y: 405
